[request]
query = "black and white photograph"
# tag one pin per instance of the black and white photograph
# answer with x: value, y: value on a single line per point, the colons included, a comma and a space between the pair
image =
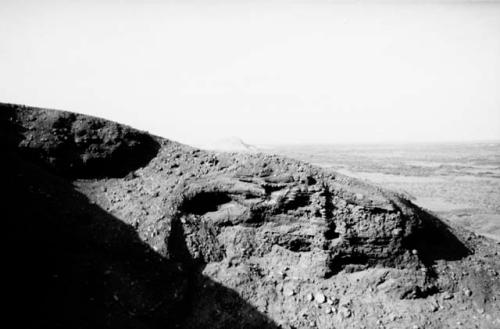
x: 250, y: 164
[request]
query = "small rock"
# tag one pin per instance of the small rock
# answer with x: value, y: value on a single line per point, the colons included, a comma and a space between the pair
x: 309, y: 297
x: 467, y: 292
x: 288, y: 292
x: 344, y: 312
x: 328, y: 310
x: 397, y: 232
x: 447, y: 295
x: 320, y: 298
x: 414, y: 252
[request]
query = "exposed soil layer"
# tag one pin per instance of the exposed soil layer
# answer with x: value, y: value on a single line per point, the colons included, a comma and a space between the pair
x: 112, y: 227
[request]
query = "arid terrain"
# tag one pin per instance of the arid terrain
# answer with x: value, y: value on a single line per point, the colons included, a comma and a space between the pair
x: 457, y: 181
x: 111, y: 227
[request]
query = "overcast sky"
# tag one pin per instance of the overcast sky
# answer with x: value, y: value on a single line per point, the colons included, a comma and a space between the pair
x: 265, y: 71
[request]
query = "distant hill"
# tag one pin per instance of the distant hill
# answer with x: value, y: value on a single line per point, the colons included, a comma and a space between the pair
x: 229, y: 144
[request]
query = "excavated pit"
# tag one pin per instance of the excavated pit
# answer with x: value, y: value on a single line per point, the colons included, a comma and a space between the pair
x: 205, y: 202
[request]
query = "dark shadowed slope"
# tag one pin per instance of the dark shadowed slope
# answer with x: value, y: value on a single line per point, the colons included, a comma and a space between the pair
x: 73, y: 265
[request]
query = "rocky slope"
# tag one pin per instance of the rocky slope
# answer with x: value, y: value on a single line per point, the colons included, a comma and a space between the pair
x: 111, y: 227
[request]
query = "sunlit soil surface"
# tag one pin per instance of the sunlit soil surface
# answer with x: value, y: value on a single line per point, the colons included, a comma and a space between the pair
x: 460, y: 182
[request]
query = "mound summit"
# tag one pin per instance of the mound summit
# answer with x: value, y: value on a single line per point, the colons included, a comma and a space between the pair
x: 111, y: 227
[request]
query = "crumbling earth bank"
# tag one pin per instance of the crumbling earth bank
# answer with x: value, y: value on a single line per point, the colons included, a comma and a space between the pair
x: 152, y: 233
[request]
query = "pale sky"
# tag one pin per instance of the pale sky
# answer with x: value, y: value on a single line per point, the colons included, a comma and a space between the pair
x: 265, y: 71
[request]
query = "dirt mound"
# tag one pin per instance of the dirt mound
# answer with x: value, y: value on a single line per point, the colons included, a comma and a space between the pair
x: 337, y: 228
x: 194, y: 239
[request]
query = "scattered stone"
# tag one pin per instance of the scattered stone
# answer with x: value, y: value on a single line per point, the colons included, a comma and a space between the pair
x: 344, y: 312
x: 320, y: 298
x: 447, y: 295
x: 288, y: 292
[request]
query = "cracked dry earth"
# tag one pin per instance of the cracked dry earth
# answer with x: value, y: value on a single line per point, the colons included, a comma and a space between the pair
x: 111, y: 227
